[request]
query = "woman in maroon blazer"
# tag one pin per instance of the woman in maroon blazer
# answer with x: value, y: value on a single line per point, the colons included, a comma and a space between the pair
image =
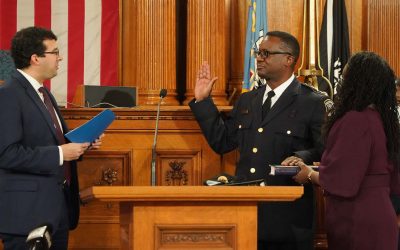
x: 359, y: 167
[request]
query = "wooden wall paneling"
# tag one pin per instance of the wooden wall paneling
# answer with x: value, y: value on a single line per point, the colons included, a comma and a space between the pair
x: 179, y: 168
x: 99, y: 221
x: 192, y: 148
x: 237, y: 41
x: 178, y: 132
x: 383, y: 30
x: 129, y: 41
x: 208, y: 40
x: 213, y: 230
x: 127, y: 144
x: 186, y: 147
x: 148, y: 49
x: 356, y: 21
x: 286, y: 15
x: 212, y: 36
x: 229, y: 161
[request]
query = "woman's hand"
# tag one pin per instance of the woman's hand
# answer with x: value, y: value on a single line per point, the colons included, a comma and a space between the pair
x: 302, y: 177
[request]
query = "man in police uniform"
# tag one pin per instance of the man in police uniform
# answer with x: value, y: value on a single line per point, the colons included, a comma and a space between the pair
x: 278, y: 122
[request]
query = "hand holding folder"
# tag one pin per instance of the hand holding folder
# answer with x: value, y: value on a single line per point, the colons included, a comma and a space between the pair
x: 92, y: 129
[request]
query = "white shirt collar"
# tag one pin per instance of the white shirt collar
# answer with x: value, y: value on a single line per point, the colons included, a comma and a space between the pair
x: 278, y: 90
x: 35, y: 84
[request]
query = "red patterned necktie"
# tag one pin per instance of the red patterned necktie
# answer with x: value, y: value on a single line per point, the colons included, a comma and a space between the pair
x: 60, y: 136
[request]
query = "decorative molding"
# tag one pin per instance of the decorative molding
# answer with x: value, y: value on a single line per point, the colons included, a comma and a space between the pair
x: 110, y: 176
x: 177, y: 176
x: 210, y: 236
x: 133, y: 117
x: 101, y: 167
x: 193, y: 237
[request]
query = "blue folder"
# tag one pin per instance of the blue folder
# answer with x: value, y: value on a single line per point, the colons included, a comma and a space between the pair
x: 92, y: 129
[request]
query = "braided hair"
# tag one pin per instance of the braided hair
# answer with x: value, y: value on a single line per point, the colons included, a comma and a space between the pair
x: 368, y: 79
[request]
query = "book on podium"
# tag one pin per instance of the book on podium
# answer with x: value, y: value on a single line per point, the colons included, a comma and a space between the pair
x: 287, y: 170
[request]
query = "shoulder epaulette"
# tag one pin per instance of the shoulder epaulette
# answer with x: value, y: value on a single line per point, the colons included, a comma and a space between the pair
x: 315, y: 89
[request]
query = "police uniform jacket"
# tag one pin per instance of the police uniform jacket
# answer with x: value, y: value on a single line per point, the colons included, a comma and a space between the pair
x: 291, y: 127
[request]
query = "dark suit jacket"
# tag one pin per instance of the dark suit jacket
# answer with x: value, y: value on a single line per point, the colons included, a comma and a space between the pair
x: 31, y: 191
x: 292, y: 127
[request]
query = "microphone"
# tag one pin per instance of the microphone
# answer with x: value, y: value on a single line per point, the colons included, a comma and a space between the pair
x: 39, y: 238
x: 163, y: 93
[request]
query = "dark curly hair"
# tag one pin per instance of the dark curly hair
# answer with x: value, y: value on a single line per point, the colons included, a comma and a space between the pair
x: 368, y: 79
x: 27, y: 42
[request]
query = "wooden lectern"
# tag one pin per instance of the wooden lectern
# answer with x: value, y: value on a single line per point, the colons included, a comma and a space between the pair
x: 189, y: 217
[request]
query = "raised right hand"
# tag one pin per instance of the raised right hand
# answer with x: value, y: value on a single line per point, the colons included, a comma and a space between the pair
x: 72, y: 151
x: 204, y: 83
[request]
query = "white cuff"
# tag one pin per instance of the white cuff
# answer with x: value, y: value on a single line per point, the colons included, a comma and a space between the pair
x: 60, y: 152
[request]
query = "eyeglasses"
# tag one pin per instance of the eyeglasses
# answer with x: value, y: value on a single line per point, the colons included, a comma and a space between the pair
x: 56, y: 52
x: 263, y: 53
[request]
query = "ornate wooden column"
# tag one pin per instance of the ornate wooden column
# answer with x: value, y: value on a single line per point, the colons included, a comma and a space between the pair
x: 148, y: 49
x: 208, y: 40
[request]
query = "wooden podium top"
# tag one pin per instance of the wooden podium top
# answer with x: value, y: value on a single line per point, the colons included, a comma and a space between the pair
x: 192, y: 193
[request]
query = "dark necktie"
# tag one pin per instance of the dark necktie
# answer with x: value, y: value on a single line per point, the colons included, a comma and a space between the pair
x: 61, y: 140
x: 267, y: 104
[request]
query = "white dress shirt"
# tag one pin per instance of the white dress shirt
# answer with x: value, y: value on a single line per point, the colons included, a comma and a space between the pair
x: 36, y: 85
x: 278, y: 90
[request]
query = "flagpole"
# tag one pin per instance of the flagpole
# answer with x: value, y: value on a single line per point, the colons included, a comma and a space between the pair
x: 310, y: 68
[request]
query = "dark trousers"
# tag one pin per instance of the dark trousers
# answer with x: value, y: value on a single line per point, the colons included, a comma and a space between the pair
x: 264, y: 245
x: 59, y: 238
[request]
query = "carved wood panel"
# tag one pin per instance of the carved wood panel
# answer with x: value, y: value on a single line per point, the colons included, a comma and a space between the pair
x: 127, y: 145
x: 184, y: 223
x: 195, y: 236
x: 179, y: 167
x: 99, y: 221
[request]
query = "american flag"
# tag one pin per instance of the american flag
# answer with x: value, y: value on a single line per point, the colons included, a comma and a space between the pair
x: 88, y: 35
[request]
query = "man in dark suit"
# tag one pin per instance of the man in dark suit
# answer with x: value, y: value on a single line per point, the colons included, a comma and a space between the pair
x: 279, y: 122
x: 38, y: 175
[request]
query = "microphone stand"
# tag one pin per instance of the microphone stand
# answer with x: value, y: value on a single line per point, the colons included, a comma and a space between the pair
x: 163, y: 93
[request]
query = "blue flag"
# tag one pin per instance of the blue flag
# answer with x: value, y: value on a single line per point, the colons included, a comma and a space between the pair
x: 256, y: 30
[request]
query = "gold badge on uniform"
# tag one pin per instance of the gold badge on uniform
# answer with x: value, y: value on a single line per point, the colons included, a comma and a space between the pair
x: 328, y: 106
